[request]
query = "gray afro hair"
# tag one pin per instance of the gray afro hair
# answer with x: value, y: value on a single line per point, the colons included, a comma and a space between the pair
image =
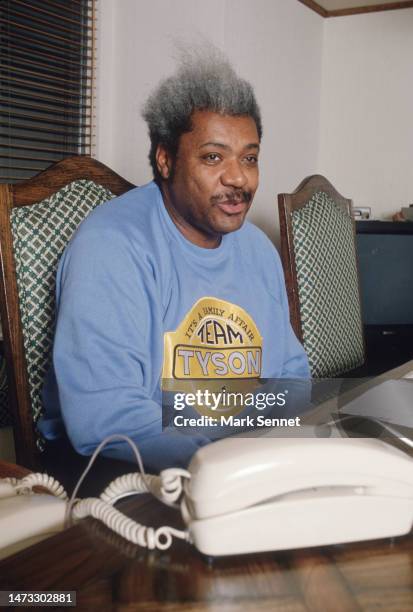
x: 204, y: 80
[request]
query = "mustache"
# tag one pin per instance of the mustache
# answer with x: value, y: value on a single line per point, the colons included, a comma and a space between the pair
x: 236, y: 196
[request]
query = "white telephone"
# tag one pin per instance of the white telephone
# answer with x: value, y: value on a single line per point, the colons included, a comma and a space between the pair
x: 27, y: 519
x: 257, y: 494
x: 242, y: 495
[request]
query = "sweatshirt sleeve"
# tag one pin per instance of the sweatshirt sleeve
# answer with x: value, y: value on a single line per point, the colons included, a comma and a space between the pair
x: 294, y: 359
x: 107, y: 349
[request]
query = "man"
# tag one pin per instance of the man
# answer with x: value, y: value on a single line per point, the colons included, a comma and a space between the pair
x: 167, y: 280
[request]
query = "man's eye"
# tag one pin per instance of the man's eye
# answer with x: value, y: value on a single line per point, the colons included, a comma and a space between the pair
x: 212, y: 157
x: 252, y: 159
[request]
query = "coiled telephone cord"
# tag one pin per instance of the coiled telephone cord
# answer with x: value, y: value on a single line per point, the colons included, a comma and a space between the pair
x: 24, y: 486
x: 148, y: 537
x: 167, y: 487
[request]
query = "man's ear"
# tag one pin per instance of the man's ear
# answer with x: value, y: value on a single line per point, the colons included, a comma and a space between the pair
x: 163, y: 162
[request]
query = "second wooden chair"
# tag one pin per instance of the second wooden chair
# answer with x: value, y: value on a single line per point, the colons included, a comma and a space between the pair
x: 320, y: 266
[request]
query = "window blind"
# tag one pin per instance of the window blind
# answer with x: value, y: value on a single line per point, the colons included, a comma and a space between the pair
x: 46, y: 83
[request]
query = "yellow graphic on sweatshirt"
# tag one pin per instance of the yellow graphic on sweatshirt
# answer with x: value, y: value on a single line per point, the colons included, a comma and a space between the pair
x: 216, y: 339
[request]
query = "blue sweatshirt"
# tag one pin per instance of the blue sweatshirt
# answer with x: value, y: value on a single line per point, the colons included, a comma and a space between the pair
x: 137, y: 301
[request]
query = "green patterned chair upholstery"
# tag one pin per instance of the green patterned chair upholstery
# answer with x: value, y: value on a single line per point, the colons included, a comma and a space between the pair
x: 39, y: 232
x: 319, y: 259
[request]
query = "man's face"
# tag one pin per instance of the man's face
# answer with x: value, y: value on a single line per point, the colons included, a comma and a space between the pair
x: 214, y: 176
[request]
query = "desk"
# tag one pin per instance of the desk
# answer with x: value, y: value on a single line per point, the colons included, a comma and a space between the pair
x: 111, y: 574
x: 9, y: 470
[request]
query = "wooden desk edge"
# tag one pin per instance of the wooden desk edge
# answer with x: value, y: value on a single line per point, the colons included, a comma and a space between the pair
x: 325, y: 409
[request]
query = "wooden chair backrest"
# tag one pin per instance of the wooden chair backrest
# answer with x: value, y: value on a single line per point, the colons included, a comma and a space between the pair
x: 29, y: 193
x: 287, y: 204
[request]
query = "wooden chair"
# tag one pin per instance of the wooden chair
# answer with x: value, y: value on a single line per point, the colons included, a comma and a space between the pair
x: 320, y: 266
x: 37, y: 219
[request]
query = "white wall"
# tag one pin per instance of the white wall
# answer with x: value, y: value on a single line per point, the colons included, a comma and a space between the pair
x: 277, y: 45
x: 366, y: 137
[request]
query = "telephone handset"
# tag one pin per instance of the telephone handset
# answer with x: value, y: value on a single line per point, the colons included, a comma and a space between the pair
x: 28, y: 519
x: 257, y: 494
x: 242, y: 495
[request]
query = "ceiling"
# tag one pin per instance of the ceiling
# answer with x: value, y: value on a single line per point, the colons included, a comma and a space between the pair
x: 334, y: 5
x: 331, y: 8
